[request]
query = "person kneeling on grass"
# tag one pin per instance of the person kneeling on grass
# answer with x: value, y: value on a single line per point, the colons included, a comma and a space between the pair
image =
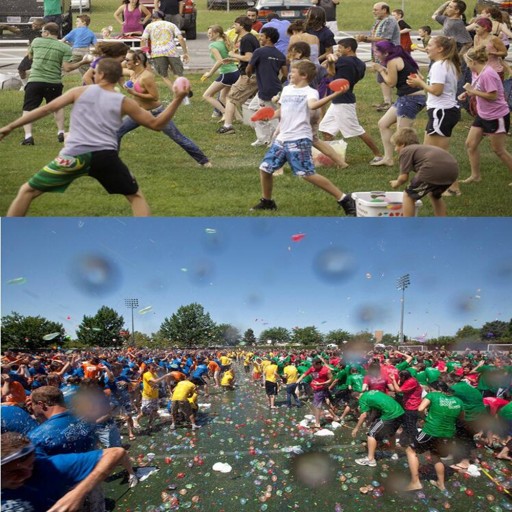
x: 293, y: 144
x: 436, y: 170
x: 91, y: 149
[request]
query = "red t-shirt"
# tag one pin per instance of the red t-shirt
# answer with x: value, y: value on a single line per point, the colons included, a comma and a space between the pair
x: 411, y: 390
x: 379, y: 383
x: 319, y: 377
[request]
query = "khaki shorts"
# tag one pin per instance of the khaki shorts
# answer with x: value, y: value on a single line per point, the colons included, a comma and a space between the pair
x: 162, y: 65
x: 243, y: 89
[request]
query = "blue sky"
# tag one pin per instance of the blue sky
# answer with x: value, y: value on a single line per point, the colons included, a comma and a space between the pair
x: 250, y: 273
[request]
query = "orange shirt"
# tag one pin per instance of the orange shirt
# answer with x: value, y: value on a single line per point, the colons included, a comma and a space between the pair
x: 16, y: 394
x: 91, y: 371
x: 213, y: 367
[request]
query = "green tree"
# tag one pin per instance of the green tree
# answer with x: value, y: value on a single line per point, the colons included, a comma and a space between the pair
x: 337, y: 336
x: 228, y: 334
x: 495, y: 330
x: 27, y: 332
x: 102, y: 330
x: 389, y: 339
x: 249, y: 337
x: 276, y: 334
x: 468, y: 332
x: 189, y: 326
x: 309, y: 335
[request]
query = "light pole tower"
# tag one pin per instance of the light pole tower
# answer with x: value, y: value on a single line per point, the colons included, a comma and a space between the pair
x: 132, y: 304
x: 401, y: 284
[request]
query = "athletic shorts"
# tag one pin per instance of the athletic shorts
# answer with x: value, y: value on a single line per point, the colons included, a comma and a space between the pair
x: 36, y: 92
x: 418, y: 189
x: 409, y: 106
x: 162, y: 65
x: 270, y: 388
x: 341, y: 117
x: 494, y: 126
x: 384, y: 429
x: 197, y: 381
x: 319, y: 397
x: 181, y: 406
x: 296, y: 152
x: 440, y: 446
x: 149, y: 405
x: 441, y: 121
x: 243, y: 89
x: 228, y: 78
x: 409, y: 422
x: 105, y: 166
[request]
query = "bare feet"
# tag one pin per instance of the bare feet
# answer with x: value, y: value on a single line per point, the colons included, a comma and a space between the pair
x: 435, y: 483
x: 472, y: 179
x: 381, y: 161
x: 414, y: 487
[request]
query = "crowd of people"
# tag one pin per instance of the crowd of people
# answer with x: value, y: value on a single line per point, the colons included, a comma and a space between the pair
x: 252, y: 61
x: 59, y: 407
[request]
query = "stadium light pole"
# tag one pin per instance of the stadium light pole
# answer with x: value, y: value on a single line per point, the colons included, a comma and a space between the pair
x: 402, y: 283
x: 132, y: 304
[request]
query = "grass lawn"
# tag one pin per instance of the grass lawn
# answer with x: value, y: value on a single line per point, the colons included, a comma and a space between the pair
x: 175, y: 185
x: 352, y: 14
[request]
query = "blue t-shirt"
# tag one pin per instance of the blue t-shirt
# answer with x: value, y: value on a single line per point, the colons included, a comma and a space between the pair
x: 352, y: 69
x: 201, y: 370
x: 52, y: 478
x: 282, y: 27
x: 64, y: 433
x: 267, y: 61
x: 16, y: 419
x: 81, y: 37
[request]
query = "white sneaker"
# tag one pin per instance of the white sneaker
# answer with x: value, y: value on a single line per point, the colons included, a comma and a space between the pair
x: 195, y: 427
x: 172, y: 426
x: 132, y: 481
x: 258, y: 143
x: 366, y: 462
x: 394, y: 456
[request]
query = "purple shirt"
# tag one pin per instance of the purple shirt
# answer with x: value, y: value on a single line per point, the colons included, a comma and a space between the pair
x: 489, y: 81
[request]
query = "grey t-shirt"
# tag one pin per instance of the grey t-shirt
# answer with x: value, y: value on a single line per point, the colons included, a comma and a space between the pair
x: 431, y: 164
x: 330, y: 9
x: 454, y: 27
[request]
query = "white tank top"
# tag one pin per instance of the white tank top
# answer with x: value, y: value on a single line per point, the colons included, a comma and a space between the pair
x: 95, y: 119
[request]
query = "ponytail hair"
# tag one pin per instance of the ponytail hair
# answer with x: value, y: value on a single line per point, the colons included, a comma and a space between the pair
x: 219, y: 30
x: 450, y: 52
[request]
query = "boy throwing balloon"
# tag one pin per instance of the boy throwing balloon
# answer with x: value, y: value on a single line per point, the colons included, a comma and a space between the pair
x: 294, y: 141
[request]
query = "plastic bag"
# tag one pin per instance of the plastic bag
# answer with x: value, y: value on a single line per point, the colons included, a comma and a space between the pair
x: 321, y: 160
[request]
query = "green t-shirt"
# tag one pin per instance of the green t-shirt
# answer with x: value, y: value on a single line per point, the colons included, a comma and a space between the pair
x: 389, y: 407
x: 421, y: 377
x: 492, y: 377
x: 403, y: 365
x: 220, y: 46
x: 471, y: 398
x: 442, y: 413
x: 52, y: 7
x: 355, y: 381
x: 432, y: 375
x: 453, y: 365
x: 506, y: 412
x: 341, y: 377
x: 48, y: 54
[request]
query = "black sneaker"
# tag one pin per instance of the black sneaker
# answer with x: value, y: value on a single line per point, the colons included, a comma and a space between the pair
x: 190, y: 93
x: 265, y: 204
x: 226, y: 129
x: 28, y: 141
x: 60, y: 137
x: 348, y: 204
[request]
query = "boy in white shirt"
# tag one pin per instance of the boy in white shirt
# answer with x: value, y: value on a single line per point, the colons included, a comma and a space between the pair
x: 294, y: 141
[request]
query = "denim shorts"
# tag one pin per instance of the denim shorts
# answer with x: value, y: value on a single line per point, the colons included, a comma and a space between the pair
x: 410, y: 106
x: 296, y: 152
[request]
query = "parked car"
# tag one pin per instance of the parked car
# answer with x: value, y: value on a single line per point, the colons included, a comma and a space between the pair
x: 287, y: 9
x: 189, y: 27
x: 84, y: 5
x: 233, y: 4
x: 19, y: 14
